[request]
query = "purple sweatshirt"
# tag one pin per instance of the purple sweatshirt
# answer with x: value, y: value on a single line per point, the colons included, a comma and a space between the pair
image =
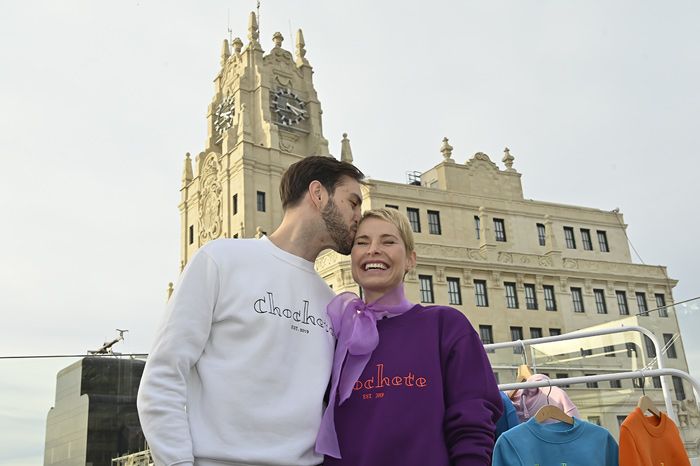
x: 427, y: 396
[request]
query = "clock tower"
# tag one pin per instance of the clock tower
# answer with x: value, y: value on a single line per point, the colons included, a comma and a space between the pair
x: 264, y: 116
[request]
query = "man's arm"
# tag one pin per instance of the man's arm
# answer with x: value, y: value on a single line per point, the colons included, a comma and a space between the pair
x: 178, y: 345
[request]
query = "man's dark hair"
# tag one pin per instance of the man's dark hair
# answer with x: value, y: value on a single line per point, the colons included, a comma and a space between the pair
x: 326, y: 170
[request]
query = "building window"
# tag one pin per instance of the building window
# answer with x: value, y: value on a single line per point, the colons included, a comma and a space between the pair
x: 642, y: 303
x: 477, y: 226
x: 577, y: 300
x: 511, y: 295
x: 603, y: 241
x: 615, y: 384
x: 553, y: 332
x: 651, y: 351
x: 594, y: 420
x: 622, y: 303
x: 550, y: 302
x: 426, y: 289
x: 586, y: 239
x: 499, y: 227
x: 391, y: 206
x: 530, y: 296
x: 591, y: 384
x: 600, y: 304
x: 414, y: 219
x: 661, y: 304
x: 620, y: 420
x: 541, y: 234
x: 234, y: 204
x: 569, y: 238
x: 434, y: 222
x: 609, y: 351
x: 454, y: 294
x: 678, y: 388
x: 585, y: 352
x: 656, y: 382
x: 631, y: 350
x: 261, y: 201
x: 486, y: 334
x: 535, y: 332
x: 191, y: 234
x: 480, y: 293
x: 516, y: 333
x: 670, y: 346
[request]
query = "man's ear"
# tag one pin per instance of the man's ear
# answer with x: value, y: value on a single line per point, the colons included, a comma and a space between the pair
x: 317, y: 193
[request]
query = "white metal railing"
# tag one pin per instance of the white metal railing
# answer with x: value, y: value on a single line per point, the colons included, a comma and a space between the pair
x: 602, y: 377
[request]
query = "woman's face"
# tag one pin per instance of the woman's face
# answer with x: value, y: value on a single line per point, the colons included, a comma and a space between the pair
x: 379, y: 257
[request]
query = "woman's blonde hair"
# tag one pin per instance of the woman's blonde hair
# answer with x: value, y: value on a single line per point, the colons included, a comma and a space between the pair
x: 396, y: 218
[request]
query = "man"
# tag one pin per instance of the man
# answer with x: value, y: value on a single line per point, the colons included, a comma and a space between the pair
x: 241, y: 363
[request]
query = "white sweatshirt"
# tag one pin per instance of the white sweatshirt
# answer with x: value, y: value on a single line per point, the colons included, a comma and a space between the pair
x: 241, y: 363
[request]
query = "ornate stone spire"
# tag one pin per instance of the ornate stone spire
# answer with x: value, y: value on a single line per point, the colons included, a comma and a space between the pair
x: 225, y: 52
x: 508, y: 160
x: 301, y: 50
x: 253, y: 32
x: 446, y: 150
x: 237, y: 46
x: 187, y: 174
x: 345, y: 151
x: 277, y: 38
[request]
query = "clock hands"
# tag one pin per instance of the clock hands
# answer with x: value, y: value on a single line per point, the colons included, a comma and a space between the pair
x: 296, y: 110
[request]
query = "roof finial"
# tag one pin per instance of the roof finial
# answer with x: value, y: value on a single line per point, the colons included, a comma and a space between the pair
x: 225, y: 52
x: 446, y: 150
x: 277, y: 38
x: 301, y: 49
x: 187, y: 174
x: 345, y: 150
x: 508, y: 160
x: 237, y: 46
x: 253, y: 32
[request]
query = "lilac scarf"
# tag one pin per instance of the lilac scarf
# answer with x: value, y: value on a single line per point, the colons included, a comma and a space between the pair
x: 355, y: 324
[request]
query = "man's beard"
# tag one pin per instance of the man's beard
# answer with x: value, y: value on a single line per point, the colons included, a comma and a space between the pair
x: 340, y: 233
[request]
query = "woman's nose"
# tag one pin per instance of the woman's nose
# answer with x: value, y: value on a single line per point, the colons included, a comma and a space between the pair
x: 373, y: 248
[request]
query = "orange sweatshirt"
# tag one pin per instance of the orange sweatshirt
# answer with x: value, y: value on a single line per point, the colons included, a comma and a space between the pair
x: 650, y: 441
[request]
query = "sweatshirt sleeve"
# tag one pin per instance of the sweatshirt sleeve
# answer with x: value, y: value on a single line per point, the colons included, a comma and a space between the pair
x: 179, y: 342
x: 472, y: 403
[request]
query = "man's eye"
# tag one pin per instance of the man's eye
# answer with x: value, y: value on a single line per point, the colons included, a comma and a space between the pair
x: 361, y: 243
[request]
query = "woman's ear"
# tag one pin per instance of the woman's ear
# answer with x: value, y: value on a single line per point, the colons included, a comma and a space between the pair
x: 410, y: 260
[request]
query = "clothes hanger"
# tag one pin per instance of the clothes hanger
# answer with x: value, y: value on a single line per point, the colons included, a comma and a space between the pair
x: 647, y: 404
x: 523, y: 373
x: 552, y: 412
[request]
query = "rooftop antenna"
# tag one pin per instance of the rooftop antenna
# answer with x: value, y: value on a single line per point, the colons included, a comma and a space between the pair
x: 258, y: 11
x: 106, y: 347
x: 228, y: 27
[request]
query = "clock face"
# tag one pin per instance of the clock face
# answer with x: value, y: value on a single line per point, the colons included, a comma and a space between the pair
x: 223, y: 116
x: 288, y: 106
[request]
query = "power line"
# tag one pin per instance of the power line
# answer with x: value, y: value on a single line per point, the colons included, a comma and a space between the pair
x: 47, y: 356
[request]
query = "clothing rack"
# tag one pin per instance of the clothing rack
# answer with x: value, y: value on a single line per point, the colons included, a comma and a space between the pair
x: 661, y: 371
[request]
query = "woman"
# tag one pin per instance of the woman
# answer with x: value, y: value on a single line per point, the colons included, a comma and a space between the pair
x: 411, y: 385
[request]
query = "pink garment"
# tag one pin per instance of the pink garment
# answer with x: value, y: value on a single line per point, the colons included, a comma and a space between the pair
x: 528, y: 401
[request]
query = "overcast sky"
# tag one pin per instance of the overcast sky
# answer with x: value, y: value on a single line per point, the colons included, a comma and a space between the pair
x: 99, y: 101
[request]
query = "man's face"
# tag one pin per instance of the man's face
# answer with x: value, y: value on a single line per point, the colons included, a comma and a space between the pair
x: 342, y: 213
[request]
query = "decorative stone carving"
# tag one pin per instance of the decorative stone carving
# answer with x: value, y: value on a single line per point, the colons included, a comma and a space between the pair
x: 545, y: 261
x: 570, y: 263
x: 440, y: 274
x: 210, y: 201
x: 508, y: 160
x: 412, y: 276
x: 505, y: 257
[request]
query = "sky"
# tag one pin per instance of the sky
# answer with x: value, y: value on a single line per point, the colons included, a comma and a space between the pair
x: 99, y: 102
